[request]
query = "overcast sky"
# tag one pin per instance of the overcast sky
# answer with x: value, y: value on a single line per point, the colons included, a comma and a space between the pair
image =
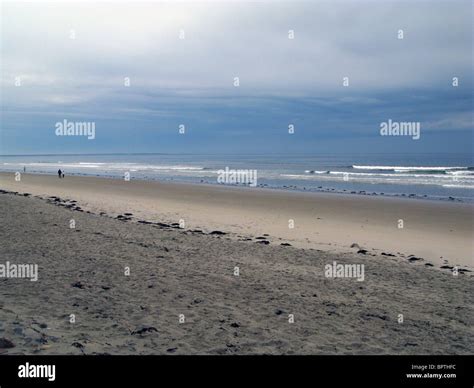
x: 71, y: 60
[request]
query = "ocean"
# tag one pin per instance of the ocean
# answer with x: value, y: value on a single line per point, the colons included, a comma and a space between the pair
x: 434, y: 176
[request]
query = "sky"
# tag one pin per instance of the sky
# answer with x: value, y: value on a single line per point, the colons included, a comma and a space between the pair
x: 70, y: 61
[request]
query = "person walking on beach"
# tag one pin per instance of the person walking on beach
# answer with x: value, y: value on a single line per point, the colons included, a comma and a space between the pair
x: 59, y: 173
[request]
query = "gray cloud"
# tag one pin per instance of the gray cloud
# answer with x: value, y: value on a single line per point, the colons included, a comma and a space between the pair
x: 248, y: 40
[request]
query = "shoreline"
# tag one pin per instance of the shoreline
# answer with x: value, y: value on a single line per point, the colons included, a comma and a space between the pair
x: 284, y: 188
x: 435, y: 232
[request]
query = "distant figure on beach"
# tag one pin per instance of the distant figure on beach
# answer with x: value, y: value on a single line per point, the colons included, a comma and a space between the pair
x: 60, y: 173
x: 63, y: 175
x: 24, y: 168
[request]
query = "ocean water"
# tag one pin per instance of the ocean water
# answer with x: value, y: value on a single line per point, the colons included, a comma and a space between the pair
x: 434, y: 176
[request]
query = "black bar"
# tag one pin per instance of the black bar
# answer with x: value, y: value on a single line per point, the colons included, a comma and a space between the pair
x: 312, y: 371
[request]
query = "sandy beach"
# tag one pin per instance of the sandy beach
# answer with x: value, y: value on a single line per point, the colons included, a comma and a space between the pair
x: 128, y: 279
x: 435, y: 231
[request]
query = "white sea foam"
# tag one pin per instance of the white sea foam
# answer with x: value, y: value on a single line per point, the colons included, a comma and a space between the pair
x: 462, y: 179
x: 106, y: 166
x: 403, y: 168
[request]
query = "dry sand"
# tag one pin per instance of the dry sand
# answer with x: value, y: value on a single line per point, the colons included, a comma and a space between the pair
x: 176, y: 271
